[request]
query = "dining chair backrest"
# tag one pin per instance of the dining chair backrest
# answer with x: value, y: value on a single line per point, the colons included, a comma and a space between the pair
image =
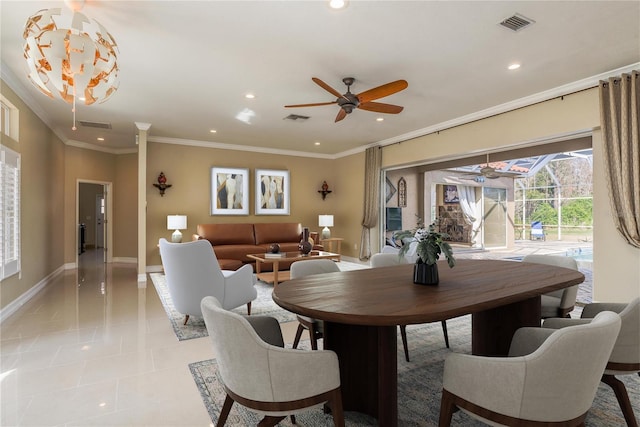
x: 386, y: 260
x: 312, y: 266
x: 560, y: 301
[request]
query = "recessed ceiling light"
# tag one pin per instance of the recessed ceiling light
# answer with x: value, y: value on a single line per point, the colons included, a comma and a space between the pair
x: 249, y: 96
x: 337, y: 4
x: 316, y: 143
x: 213, y: 131
x: 514, y: 66
x: 380, y: 119
x: 101, y: 139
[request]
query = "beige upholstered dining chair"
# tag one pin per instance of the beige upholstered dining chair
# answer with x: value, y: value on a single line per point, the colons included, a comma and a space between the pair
x: 267, y: 378
x: 555, y: 384
x: 625, y: 357
x: 561, y: 302
x: 192, y: 273
x: 390, y: 259
x: 314, y: 326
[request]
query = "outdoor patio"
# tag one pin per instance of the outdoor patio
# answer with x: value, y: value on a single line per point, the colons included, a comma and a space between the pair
x: 580, y: 250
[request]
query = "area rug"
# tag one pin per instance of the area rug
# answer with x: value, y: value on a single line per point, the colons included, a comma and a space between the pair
x: 419, y: 386
x: 263, y: 304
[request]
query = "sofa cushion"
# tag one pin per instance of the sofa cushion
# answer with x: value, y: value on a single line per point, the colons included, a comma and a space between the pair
x: 277, y: 232
x: 227, y: 234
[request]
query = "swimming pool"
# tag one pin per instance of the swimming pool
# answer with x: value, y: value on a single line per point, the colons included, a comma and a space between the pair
x: 581, y: 254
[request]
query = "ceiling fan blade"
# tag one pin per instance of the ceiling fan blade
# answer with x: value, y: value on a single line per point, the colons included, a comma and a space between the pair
x: 310, y: 105
x: 380, y: 107
x: 382, y: 91
x: 341, y: 115
x: 326, y: 87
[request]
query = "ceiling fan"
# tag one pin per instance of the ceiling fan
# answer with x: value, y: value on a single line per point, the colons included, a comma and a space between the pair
x: 350, y: 101
x: 490, y: 172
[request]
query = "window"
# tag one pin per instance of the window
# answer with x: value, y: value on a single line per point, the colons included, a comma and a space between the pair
x: 9, y: 212
x: 8, y: 118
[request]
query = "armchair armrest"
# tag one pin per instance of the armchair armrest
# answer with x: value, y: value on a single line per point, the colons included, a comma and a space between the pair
x: 239, y: 287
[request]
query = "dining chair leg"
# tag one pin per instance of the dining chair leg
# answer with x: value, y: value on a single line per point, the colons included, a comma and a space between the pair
x: 249, y: 308
x: 623, y: 398
x: 447, y: 408
x: 224, y: 413
x: 446, y: 334
x: 293, y: 419
x: 403, y: 333
x: 336, y: 408
x: 296, y: 340
x: 312, y: 335
x: 186, y: 319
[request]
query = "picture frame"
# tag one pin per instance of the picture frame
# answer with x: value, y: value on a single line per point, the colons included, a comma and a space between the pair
x: 229, y: 191
x: 272, y: 192
x: 451, y: 194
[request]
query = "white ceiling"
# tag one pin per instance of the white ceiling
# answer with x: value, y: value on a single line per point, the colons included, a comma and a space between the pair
x: 185, y: 66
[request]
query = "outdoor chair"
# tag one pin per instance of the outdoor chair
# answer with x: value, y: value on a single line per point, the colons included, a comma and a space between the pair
x: 625, y: 357
x: 561, y: 302
x: 550, y: 384
x: 390, y: 259
x: 192, y: 272
x: 266, y: 378
x: 537, y: 232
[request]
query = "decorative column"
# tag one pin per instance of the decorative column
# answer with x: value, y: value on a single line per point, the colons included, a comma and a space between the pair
x: 142, y: 203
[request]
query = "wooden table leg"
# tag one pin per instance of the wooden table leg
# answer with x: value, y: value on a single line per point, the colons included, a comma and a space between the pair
x: 493, y: 329
x: 275, y: 273
x: 368, y: 368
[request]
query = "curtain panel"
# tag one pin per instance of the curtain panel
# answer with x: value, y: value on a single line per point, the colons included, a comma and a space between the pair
x: 620, y: 122
x: 372, y: 168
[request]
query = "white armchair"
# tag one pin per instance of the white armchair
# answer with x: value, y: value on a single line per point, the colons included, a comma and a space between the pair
x: 268, y: 379
x: 556, y: 383
x: 557, y: 303
x: 387, y: 259
x: 625, y: 357
x: 192, y: 273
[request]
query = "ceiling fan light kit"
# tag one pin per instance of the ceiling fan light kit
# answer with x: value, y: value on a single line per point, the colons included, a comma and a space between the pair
x: 349, y: 101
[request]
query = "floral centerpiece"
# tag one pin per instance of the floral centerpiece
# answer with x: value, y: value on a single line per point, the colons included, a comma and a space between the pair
x: 429, y: 244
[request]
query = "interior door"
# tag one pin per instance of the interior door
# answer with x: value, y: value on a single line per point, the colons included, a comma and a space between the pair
x: 495, y: 217
x: 100, y: 222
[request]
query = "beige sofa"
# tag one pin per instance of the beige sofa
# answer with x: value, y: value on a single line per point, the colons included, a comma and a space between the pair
x: 233, y: 242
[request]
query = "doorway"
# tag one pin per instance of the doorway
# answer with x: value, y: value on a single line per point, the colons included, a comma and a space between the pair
x: 93, y: 211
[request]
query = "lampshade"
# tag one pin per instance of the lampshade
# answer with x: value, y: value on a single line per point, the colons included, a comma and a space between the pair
x: 325, y: 221
x: 70, y: 55
x: 176, y: 222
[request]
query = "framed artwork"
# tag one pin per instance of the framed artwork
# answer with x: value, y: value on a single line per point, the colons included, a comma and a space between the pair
x: 272, y: 192
x: 451, y: 194
x: 389, y: 190
x: 402, y: 193
x: 229, y: 191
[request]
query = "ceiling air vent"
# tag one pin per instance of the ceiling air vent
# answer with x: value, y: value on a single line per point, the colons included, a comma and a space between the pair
x: 517, y: 22
x: 296, y: 117
x: 95, y: 125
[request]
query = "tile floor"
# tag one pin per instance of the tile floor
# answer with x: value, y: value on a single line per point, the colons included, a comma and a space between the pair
x: 94, y: 349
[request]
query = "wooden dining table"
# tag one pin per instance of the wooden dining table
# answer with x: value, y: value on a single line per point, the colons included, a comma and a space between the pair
x: 362, y: 308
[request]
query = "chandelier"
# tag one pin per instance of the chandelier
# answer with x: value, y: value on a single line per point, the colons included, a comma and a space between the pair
x: 70, y: 55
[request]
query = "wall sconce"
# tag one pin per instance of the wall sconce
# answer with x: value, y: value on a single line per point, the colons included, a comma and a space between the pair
x: 325, y: 189
x: 162, y: 184
x: 325, y: 221
x: 176, y: 222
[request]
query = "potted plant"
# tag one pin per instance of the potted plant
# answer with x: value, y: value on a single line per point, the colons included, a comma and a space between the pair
x: 429, y: 244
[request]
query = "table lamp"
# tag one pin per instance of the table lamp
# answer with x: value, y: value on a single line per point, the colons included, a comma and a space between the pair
x: 176, y: 222
x: 325, y: 221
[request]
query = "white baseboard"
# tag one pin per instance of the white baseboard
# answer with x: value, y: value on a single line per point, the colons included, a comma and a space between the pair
x: 154, y: 269
x: 125, y: 260
x: 15, y: 305
x: 70, y: 266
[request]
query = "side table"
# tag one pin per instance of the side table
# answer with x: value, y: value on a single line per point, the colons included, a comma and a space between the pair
x: 330, y: 243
